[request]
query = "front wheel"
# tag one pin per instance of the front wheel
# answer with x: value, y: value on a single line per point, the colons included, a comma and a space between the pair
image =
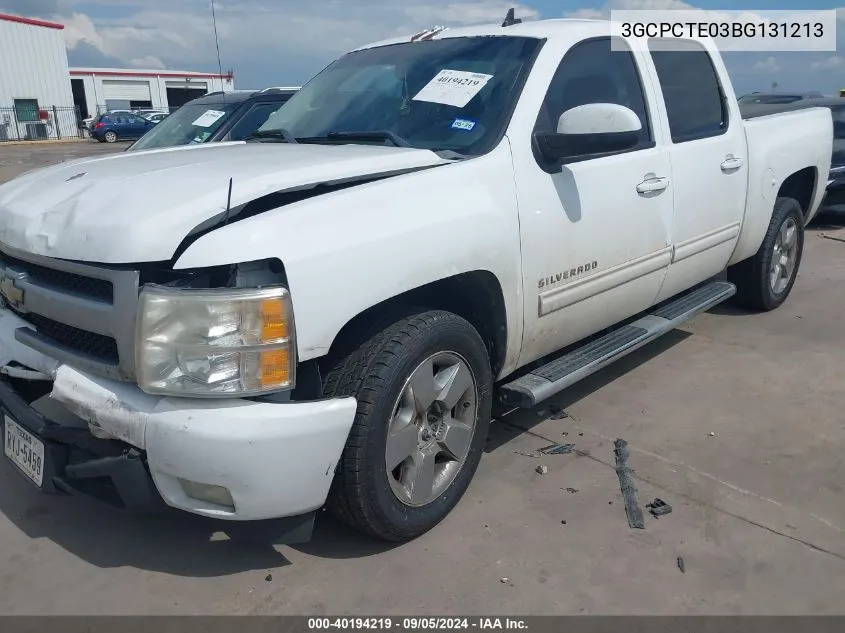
x: 765, y: 280
x: 424, y: 391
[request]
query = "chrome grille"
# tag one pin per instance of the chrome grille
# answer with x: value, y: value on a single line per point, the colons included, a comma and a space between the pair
x: 97, y: 289
x: 83, y: 315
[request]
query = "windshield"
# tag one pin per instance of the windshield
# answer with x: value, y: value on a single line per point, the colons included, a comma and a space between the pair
x: 192, y: 123
x: 452, y: 94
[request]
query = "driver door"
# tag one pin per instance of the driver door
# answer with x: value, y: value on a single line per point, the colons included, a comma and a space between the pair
x: 596, y: 240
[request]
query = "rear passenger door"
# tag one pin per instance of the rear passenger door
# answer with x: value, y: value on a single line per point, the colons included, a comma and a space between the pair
x: 709, y: 160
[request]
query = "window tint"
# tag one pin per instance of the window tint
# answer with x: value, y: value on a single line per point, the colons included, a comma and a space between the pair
x: 252, y: 120
x: 695, y: 103
x: 838, y: 114
x: 595, y: 72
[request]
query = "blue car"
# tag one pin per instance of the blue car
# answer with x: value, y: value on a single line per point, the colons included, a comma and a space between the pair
x: 118, y: 126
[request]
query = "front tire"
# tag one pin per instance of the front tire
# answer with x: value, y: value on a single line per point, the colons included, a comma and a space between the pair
x: 424, y: 391
x: 764, y: 281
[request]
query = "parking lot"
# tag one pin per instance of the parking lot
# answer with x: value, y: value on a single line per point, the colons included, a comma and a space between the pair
x: 735, y: 420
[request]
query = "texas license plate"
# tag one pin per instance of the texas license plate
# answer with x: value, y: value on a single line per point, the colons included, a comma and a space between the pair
x: 24, y: 450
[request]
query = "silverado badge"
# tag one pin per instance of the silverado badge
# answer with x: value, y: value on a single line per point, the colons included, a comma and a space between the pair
x: 566, y: 274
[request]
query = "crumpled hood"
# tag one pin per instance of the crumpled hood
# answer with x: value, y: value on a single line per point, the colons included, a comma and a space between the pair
x: 139, y: 206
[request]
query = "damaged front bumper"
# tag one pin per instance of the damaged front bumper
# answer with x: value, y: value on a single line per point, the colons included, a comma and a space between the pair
x: 232, y: 459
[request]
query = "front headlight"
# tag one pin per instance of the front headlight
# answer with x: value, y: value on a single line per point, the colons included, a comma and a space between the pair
x: 217, y: 342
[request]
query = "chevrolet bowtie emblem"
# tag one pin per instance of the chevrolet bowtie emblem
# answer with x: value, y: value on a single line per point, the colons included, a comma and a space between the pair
x: 10, y: 292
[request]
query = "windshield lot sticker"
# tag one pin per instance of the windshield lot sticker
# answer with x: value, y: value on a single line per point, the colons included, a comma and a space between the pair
x: 208, y: 118
x: 463, y: 124
x: 453, y: 87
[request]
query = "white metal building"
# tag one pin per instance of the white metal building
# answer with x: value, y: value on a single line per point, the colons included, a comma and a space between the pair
x: 97, y: 90
x: 41, y: 97
x: 35, y: 94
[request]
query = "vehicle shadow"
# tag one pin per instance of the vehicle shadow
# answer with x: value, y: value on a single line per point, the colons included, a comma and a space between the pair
x: 518, y: 421
x: 167, y: 541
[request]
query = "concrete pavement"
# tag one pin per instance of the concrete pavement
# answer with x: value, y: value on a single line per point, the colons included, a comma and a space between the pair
x: 735, y: 420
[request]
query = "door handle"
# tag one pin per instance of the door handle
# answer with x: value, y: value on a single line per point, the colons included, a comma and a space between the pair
x: 653, y: 184
x: 732, y: 163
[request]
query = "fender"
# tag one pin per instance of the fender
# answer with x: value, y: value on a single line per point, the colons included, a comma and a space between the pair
x: 804, y: 142
x: 348, y: 250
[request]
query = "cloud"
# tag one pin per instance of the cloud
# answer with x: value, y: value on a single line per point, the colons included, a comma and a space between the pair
x: 833, y: 62
x: 768, y: 65
x: 462, y: 13
x: 150, y: 61
x: 603, y: 12
x: 264, y: 41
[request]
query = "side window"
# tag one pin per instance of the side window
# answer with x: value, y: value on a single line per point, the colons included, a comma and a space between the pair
x: 593, y: 71
x: 254, y: 119
x: 695, y: 102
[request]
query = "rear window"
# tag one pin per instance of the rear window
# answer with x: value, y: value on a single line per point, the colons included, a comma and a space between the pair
x: 838, y: 114
x: 695, y: 102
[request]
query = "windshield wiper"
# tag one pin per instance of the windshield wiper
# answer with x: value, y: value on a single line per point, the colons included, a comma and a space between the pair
x: 279, y: 134
x: 366, y: 135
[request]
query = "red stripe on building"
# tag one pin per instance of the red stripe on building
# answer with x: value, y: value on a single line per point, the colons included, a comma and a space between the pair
x: 32, y: 21
x: 163, y: 73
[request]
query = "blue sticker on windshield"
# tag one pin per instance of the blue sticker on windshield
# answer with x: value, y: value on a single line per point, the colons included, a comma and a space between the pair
x: 463, y: 124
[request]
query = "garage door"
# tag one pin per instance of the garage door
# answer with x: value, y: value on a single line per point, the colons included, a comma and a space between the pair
x: 188, y: 85
x: 127, y: 90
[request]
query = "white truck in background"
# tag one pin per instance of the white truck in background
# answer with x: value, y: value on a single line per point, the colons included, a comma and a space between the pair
x: 325, y: 314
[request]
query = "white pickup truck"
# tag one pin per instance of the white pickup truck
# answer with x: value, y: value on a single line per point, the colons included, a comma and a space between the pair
x: 325, y: 315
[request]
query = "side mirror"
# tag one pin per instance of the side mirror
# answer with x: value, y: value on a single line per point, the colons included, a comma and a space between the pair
x: 588, y: 130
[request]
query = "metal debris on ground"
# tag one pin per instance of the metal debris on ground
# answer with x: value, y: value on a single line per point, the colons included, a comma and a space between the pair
x: 524, y: 454
x: 626, y: 483
x: 558, y: 449
x: 681, y: 564
x: 504, y: 581
x: 558, y: 413
x: 542, y: 469
x: 658, y: 508
x: 571, y: 491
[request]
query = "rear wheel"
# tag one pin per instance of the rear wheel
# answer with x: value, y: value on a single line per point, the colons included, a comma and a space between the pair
x: 110, y: 136
x: 765, y: 280
x: 424, y: 391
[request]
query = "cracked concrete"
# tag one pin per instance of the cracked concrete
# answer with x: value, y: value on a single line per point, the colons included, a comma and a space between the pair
x: 736, y: 420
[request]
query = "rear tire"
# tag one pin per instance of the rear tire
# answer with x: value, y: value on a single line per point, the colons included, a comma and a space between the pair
x: 110, y: 137
x: 410, y: 458
x: 764, y: 281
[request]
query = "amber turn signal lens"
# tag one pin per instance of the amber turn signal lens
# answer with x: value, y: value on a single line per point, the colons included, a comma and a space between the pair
x: 274, y: 320
x: 275, y: 368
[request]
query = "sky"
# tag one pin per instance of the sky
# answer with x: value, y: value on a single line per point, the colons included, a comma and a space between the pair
x: 285, y: 42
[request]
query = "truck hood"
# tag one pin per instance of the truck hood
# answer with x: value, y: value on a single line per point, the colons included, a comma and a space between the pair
x: 138, y: 206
